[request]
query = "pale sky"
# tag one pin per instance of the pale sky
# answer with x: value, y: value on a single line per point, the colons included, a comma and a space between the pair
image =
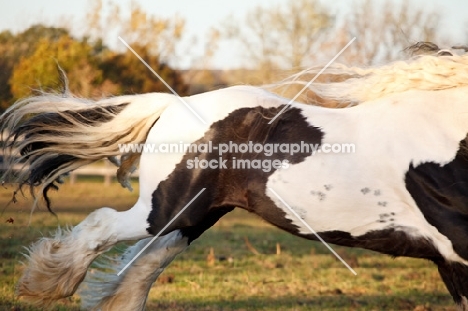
x: 200, y: 15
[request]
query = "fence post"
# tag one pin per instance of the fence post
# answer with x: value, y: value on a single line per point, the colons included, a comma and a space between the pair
x: 107, y: 179
x: 72, y: 178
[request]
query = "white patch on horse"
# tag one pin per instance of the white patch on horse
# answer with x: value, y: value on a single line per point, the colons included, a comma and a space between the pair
x: 379, y: 164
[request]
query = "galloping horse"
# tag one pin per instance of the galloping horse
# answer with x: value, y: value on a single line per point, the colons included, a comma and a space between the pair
x: 402, y: 192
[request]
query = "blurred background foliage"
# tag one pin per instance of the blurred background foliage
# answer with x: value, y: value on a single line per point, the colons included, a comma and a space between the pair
x: 274, y: 40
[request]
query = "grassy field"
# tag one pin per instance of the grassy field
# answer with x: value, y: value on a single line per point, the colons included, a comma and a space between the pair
x: 304, y: 276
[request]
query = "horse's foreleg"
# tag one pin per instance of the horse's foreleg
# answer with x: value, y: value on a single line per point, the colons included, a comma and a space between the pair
x: 57, y: 265
x: 129, y: 290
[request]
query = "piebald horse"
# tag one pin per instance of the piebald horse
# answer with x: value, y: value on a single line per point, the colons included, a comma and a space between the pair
x: 402, y: 192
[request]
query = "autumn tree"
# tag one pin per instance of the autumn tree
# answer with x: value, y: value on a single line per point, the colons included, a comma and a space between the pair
x: 383, y: 30
x: 280, y: 36
x: 302, y: 33
x: 158, y: 35
x: 30, y: 59
x: 39, y: 70
x: 13, y: 47
x: 154, y: 38
x: 90, y: 75
x: 131, y: 76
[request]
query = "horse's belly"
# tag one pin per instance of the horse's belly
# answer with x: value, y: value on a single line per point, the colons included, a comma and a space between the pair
x: 330, y: 197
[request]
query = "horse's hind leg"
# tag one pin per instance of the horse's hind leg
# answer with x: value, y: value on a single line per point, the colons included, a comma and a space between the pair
x: 57, y: 265
x: 129, y: 290
x: 455, y: 277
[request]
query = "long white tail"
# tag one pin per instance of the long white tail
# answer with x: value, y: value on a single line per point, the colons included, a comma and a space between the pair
x: 52, y: 135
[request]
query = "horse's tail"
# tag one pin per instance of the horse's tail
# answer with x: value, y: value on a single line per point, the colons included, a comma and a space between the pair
x: 49, y: 135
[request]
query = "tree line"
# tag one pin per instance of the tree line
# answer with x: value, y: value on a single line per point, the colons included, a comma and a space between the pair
x: 292, y: 35
x: 30, y: 61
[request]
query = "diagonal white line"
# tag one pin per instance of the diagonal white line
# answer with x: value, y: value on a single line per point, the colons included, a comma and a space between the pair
x: 159, y: 233
x: 312, y: 230
x: 313, y: 79
x: 162, y: 80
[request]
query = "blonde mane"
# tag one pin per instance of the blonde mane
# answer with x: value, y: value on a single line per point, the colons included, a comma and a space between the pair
x: 349, y: 86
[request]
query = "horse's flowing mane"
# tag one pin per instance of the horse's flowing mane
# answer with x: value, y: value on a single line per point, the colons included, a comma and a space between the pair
x: 428, y: 68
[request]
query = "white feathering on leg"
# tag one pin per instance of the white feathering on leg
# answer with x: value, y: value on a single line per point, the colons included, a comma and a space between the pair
x: 105, y: 290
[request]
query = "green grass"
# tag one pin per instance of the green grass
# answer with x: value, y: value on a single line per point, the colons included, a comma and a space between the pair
x: 304, y: 276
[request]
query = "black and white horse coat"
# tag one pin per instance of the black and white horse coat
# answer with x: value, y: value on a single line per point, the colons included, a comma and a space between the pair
x: 402, y: 192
